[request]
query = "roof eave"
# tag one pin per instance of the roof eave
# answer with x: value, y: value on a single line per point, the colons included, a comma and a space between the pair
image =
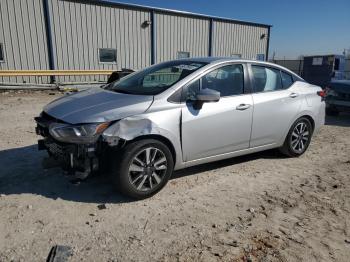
x: 170, y: 11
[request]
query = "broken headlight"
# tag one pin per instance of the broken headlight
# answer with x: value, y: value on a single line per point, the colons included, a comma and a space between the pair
x: 80, y: 134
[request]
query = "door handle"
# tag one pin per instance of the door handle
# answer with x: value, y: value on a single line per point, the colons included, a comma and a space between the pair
x: 242, y: 107
x: 293, y: 95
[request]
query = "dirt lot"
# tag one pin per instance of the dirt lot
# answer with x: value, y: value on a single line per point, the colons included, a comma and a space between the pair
x: 261, y: 207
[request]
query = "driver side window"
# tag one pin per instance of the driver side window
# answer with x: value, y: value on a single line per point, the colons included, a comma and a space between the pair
x: 190, y: 91
x: 228, y: 80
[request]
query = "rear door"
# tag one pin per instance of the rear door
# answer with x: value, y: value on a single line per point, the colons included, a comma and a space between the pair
x: 275, y: 104
x: 218, y: 127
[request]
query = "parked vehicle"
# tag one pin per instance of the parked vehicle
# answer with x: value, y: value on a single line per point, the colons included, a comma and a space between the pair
x: 178, y: 114
x: 338, y: 97
x: 320, y: 70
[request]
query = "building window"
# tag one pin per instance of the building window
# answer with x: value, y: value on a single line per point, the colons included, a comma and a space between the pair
x: 108, y: 55
x: 181, y: 54
x: 260, y: 57
x: 1, y: 52
x: 236, y: 56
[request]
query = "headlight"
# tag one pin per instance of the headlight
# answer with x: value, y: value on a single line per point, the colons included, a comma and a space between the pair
x: 80, y: 134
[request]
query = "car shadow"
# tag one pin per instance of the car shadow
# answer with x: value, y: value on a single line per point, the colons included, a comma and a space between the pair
x: 268, y: 154
x: 343, y: 119
x: 22, y: 173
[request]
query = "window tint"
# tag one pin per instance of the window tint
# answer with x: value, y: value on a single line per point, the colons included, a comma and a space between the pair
x: 287, y: 80
x: 266, y: 79
x: 155, y: 79
x: 228, y: 80
x: 107, y: 55
x: 190, y: 91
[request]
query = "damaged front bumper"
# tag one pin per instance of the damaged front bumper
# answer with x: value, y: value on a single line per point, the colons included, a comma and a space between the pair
x: 77, y: 160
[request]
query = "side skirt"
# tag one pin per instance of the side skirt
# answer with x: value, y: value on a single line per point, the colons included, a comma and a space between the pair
x: 227, y: 155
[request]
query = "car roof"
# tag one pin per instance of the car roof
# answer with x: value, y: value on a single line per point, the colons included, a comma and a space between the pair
x: 217, y: 60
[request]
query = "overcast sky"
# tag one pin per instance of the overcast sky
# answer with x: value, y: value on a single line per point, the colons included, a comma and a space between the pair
x: 300, y: 27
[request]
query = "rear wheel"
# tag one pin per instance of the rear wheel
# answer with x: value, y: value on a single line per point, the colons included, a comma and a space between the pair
x: 298, y: 138
x: 143, y: 169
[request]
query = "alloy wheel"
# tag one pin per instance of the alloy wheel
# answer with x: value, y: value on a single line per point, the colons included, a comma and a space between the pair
x: 300, y: 137
x: 147, y: 169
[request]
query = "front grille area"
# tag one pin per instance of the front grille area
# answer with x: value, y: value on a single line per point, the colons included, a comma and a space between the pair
x: 56, y: 150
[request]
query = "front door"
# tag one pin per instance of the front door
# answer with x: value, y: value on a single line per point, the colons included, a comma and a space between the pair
x: 218, y: 127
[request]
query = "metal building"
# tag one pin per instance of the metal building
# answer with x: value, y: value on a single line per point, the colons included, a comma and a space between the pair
x: 90, y: 35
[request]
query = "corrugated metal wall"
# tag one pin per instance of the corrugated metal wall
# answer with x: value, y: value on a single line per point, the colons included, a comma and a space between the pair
x: 176, y: 33
x: 80, y: 29
x: 22, y: 33
x: 230, y: 39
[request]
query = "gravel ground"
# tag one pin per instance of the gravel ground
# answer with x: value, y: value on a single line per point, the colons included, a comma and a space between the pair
x: 261, y: 207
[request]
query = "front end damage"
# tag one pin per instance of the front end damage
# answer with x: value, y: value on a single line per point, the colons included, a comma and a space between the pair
x: 77, y: 160
x: 80, y: 158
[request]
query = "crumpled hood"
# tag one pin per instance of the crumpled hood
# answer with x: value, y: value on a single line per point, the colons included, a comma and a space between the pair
x: 97, y: 105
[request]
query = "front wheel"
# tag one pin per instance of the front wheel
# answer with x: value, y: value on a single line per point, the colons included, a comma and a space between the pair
x: 143, y: 169
x: 298, y: 138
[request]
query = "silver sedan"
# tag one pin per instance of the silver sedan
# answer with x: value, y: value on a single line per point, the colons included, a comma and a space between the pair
x: 178, y: 114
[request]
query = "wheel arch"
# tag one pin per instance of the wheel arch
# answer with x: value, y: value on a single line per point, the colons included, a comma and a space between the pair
x: 160, y: 138
x: 305, y: 115
x: 310, y: 118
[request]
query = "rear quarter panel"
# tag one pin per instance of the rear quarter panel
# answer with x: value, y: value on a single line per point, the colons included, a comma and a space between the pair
x: 312, y: 105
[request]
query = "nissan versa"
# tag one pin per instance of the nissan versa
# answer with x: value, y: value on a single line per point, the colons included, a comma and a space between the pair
x: 178, y: 114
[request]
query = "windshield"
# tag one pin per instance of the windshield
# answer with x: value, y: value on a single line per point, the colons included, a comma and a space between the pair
x: 155, y: 79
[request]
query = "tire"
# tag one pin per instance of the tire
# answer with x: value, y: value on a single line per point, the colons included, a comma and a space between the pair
x: 128, y: 173
x: 331, y: 111
x: 297, y: 142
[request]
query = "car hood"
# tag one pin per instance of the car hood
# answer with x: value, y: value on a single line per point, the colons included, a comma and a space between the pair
x: 97, y: 105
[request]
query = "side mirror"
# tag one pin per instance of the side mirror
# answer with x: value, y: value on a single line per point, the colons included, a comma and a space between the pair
x: 206, y: 96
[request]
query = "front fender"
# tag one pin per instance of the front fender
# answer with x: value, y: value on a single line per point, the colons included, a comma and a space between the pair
x: 165, y: 123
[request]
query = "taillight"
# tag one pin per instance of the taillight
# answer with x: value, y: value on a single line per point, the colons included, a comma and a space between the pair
x: 321, y: 93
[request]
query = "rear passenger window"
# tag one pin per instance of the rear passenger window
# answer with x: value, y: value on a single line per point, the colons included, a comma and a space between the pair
x: 287, y: 80
x: 266, y: 79
x: 228, y: 80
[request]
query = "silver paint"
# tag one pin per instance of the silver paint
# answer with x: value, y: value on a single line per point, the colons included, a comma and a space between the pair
x: 97, y: 105
x: 233, y: 126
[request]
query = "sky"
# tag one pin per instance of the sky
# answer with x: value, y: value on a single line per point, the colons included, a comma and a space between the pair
x: 308, y: 27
